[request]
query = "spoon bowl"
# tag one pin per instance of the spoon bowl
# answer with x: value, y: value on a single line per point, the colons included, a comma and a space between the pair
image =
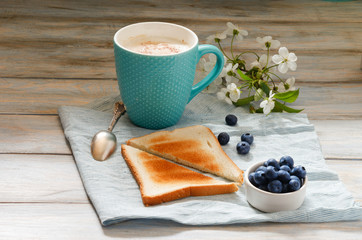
x: 104, y: 143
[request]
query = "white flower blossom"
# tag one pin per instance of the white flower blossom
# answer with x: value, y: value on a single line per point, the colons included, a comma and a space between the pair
x: 285, y: 60
x: 234, y: 92
x: 240, y: 32
x: 261, y: 63
x: 206, y: 67
x: 209, y: 65
x: 287, y: 86
x: 232, y: 69
x: 222, y: 96
x: 268, y: 104
x: 267, y: 41
x: 211, y: 39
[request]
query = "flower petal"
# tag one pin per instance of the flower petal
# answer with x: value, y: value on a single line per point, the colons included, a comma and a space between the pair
x: 210, y: 39
x: 292, y: 65
x: 228, y: 79
x: 235, y: 67
x: 263, y: 103
x: 283, y: 51
x: 221, y: 35
x: 269, y: 107
x: 272, y: 104
x: 263, y: 58
x: 255, y: 64
x: 228, y: 101
x: 290, y: 81
x: 243, y: 32
x: 267, y: 39
x: 231, y: 87
x: 212, y: 58
x: 230, y: 25
x: 218, y: 81
x: 274, y: 44
x: 277, y: 59
x: 259, y: 94
x: 259, y: 40
x: 283, y: 67
x: 228, y: 67
x: 221, y: 95
x: 266, y: 109
x: 281, y: 87
x: 234, y: 95
x: 239, y: 37
x: 292, y: 57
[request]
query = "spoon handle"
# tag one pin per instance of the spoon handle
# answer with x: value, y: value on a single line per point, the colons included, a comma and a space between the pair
x: 119, y: 110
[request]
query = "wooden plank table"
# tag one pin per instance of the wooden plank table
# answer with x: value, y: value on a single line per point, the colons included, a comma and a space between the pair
x: 59, y: 52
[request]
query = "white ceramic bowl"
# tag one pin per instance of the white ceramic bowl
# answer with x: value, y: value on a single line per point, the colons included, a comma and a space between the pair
x: 272, y: 202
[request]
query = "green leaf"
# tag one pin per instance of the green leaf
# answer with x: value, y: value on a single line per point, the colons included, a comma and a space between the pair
x: 243, y: 76
x: 244, y: 101
x: 277, y: 107
x: 265, y: 88
x: 259, y: 110
x: 287, y: 109
x: 289, y: 96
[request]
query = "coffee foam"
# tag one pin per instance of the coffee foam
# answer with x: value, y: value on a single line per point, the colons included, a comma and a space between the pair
x: 157, y: 46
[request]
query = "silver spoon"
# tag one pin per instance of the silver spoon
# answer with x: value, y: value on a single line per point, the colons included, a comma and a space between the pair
x: 104, y: 143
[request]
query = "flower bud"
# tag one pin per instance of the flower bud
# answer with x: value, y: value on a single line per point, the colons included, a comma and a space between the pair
x: 259, y: 75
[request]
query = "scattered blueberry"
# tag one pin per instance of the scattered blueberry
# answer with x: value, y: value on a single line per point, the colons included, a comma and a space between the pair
x: 231, y: 120
x: 243, y: 147
x: 273, y: 162
x: 285, y: 168
x: 270, y: 173
x: 299, y: 171
x: 275, y: 186
x: 293, y: 185
x: 278, y: 177
x: 287, y: 160
x: 283, y: 176
x: 223, y: 138
x: 247, y: 137
x: 259, y: 178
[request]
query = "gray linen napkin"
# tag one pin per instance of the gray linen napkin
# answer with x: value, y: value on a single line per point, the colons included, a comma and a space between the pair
x: 116, y: 196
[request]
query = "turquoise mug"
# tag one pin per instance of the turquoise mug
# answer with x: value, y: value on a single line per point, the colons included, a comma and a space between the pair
x: 156, y: 65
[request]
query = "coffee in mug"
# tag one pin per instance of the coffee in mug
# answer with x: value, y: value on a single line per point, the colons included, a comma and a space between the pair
x: 155, y: 46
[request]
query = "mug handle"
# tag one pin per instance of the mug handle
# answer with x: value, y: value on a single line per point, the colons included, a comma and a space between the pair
x: 202, y: 50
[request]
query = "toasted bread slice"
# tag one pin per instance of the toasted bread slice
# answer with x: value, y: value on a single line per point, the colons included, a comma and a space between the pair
x: 194, y: 146
x: 162, y: 181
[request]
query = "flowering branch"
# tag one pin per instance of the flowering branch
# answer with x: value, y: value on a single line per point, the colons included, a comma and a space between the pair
x: 267, y: 92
